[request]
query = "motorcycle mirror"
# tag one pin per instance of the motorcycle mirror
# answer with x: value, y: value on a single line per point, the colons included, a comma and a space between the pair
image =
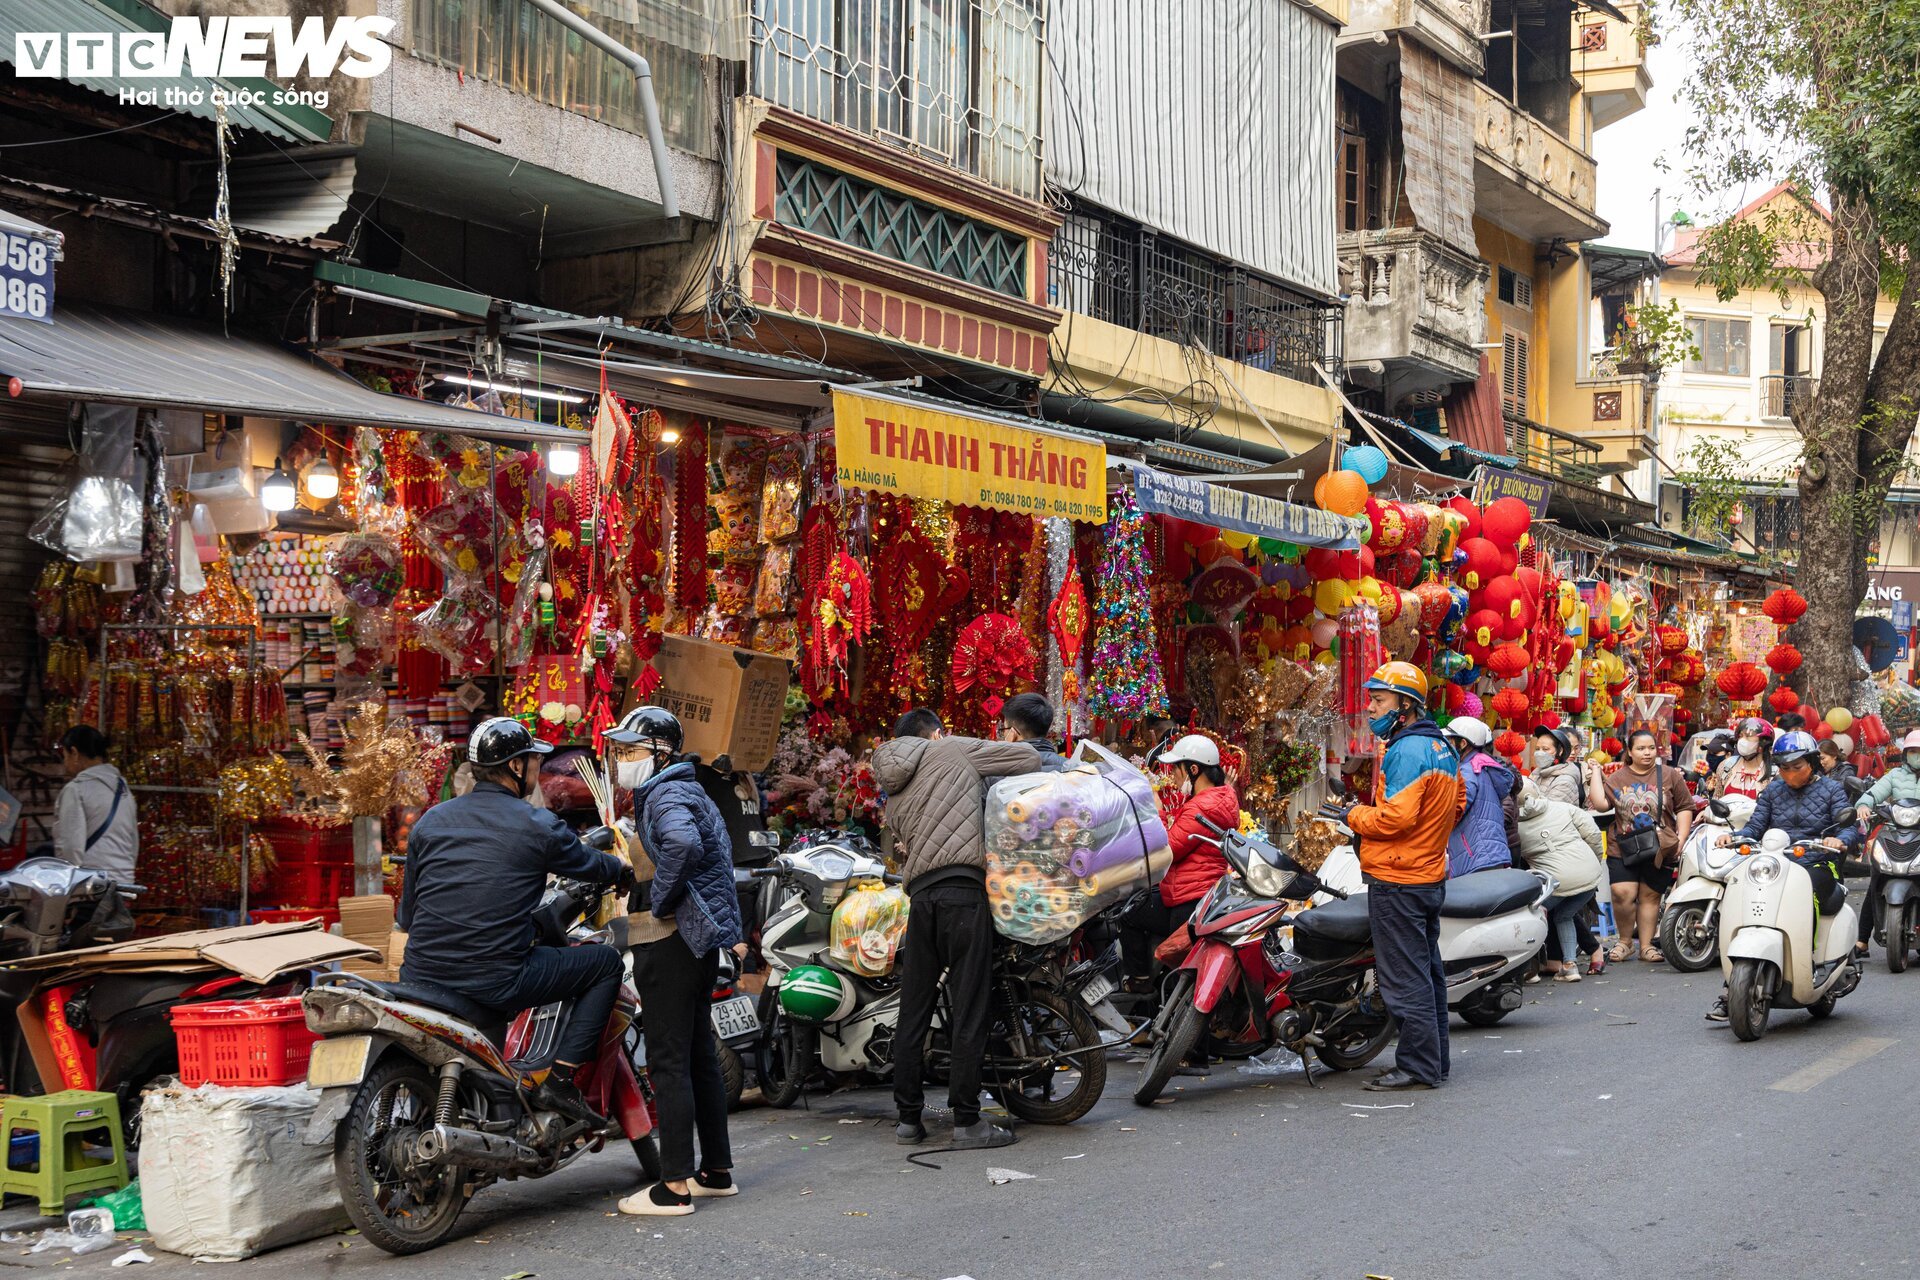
x: 1719, y: 808
x: 600, y: 838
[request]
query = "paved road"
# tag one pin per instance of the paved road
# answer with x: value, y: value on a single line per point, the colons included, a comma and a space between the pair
x: 1603, y: 1130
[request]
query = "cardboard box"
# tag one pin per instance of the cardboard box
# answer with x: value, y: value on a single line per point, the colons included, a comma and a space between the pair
x: 729, y: 700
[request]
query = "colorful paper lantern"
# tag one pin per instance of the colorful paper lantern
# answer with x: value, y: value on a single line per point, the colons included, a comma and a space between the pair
x: 1434, y: 602
x: 1485, y: 562
x: 1367, y: 460
x: 1483, y: 627
x: 1840, y: 719
x: 1784, y: 606
x: 1510, y: 744
x: 1509, y: 660
x: 1331, y: 596
x: 1342, y: 492
x: 1510, y: 704
x: 1672, y: 639
x: 1742, y: 681
x: 1504, y: 596
x: 1783, y: 700
x: 1469, y: 515
x: 1505, y: 521
x: 1783, y: 659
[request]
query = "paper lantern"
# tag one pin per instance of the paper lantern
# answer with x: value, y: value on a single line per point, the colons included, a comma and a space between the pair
x: 1612, y: 746
x: 1483, y: 627
x: 1323, y: 632
x: 1504, y: 596
x: 1509, y: 660
x: 1415, y: 514
x: 1211, y: 553
x: 1742, y: 681
x: 1510, y: 744
x: 1784, y: 606
x: 1870, y: 731
x: 1190, y: 533
x: 1322, y: 564
x: 1510, y: 704
x: 1784, y: 659
x: 1840, y: 719
x: 1822, y: 731
x: 1369, y: 462
x: 1469, y: 514
x: 1783, y: 700
x: 1365, y: 569
x: 1485, y: 562
x: 1237, y: 540
x: 1331, y: 596
x: 1672, y: 639
x: 1342, y: 492
x: 1434, y: 602
x: 1388, y: 604
x: 1505, y: 521
x: 1389, y: 527
x: 1402, y: 568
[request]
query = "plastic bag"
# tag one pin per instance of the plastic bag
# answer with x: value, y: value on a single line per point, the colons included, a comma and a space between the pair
x: 101, y: 515
x: 88, y: 1231
x: 1062, y: 847
x: 867, y: 928
x: 366, y: 569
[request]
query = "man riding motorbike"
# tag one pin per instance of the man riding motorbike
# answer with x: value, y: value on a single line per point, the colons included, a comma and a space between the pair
x: 1806, y: 806
x: 1899, y: 785
x: 476, y: 868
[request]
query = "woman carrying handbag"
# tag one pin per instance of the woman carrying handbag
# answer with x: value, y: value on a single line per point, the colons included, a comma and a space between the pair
x: 1652, y: 812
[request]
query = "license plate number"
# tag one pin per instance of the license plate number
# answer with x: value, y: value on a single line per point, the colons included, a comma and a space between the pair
x: 735, y: 1017
x: 339, y: 1061
x: 1097, y: 990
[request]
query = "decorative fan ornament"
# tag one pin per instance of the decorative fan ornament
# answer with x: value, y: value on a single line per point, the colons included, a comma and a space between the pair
x: 992, y: 654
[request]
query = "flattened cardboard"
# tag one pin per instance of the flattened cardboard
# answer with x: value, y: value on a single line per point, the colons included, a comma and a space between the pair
x: 729, y: 700
x: 261, y: 959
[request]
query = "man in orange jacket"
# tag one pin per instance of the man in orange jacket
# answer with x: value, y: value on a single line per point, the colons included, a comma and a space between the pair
x: 1403, y: 834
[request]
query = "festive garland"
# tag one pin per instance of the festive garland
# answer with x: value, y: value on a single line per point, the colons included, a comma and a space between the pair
x: 1125, y: 669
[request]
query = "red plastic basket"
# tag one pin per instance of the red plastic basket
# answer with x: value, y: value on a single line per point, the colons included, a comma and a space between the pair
x: 298, y: 842
x: 245, y: 1043
x: 308, y: 884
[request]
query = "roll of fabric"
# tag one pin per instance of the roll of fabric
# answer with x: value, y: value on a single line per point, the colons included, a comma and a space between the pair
x: 1122, y: 805
x: 1128, y: 874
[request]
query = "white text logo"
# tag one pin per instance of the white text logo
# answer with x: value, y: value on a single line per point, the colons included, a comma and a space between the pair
x: 224, y: 47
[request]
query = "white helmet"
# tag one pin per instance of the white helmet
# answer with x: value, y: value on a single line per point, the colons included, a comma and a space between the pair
x: 1195, y: 748
x: 1471, y: 730
x: 1845, y: 743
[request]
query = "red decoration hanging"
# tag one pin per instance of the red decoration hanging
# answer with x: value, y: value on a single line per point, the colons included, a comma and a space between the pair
x: 1067, y: 620
x: 1612, y: 746
x: 1510, y: 744
x: 1672, y: 639
x: 1784, y: 606
x: 1742, y: 681
x: 839, y: 614
x: 1505, y: 521
x: 1508, y: 661
x: 992, y: 654
x: 1510, y: 704
x: 690, y: 520
x: 916, y: 587
x: 1784, y: 659
x: 1783, y: 700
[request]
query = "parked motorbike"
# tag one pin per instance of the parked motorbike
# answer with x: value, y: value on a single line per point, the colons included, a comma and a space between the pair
x: 428, y: 1096
x: 736, y: 1028
x: 1775, y: 950
x: 1045, y: 1058
x: 1895, y: 854
x: 1690, y: 921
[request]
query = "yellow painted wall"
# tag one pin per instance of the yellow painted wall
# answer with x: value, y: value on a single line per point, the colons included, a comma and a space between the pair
x: 1115, y: 361
x: 1501, y: 248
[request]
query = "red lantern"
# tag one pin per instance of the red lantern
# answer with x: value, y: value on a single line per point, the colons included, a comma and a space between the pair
x: 1672, y: 639
x: 1612, y: 746
x: 1389, y: 527
x: 1508, y: 661
x: 1871, y: 732
x: 1784, y: 606
x: 1551, y: 720
x: 1822, y: 731
x: 1469, y: 513
x: 1505, y: 596
x: 1742, y: 681
x: 1485, y: 562
x: 1483, y: 627
x: 1505, y: 521
x: 1784, y: 659
x: 1416, y: 524
x: 1783, y: 700
x: 1435, y: 600
x: 1323, y: 564
x: 1510, y: 704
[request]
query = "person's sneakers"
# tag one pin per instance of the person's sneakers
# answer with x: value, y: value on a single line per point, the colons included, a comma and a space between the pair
x: 1396, y: 1081
x: 718, y: 1182
x: 657, y: 1201
x: 559, y: 1093
x: 1719, y: 1011
x: 910, y: 1133
x: 981, y: 1135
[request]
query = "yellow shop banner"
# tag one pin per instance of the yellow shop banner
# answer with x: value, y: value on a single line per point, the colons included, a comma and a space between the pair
x: 966, y: 461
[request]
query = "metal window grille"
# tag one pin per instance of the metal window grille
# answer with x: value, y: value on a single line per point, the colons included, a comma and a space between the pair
x: 1787, y: 394
x: 958, y: 81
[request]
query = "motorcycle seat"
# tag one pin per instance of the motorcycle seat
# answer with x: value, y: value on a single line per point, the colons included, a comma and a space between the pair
x: 1489, y: 893
x: 1337, y: 921
x: 489, y: 1021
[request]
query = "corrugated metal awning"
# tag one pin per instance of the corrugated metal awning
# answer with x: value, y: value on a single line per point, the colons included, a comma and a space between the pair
x: 1443, y: 446
x: 22, y: 227
x: 123, y: 357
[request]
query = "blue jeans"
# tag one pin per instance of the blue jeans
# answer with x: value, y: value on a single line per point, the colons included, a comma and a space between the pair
x: 587, y: 975
x: 1405, y: 919
x: 1563, y: 918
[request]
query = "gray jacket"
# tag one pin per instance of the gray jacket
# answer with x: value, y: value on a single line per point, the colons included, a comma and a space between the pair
x: 935, y: 797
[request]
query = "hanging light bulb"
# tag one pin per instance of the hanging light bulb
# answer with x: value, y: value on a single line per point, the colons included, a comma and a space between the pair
x: 323, y: 481
x: 276, y: 491
x: 669, y: 435
x: 563, y: 459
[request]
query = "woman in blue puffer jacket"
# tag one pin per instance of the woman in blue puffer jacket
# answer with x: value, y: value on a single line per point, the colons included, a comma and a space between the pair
x: 1480, y: 839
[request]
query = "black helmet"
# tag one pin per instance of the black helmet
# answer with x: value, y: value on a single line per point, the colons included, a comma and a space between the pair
x: 501, y: 739
x: 654, y: 727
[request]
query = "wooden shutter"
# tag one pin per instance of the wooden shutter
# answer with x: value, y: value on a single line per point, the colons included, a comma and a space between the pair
x: 1513, y: 372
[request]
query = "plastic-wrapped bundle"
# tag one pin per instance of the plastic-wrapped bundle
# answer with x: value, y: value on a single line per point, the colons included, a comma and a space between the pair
x: 867, y: 928
x: 1062, y: 847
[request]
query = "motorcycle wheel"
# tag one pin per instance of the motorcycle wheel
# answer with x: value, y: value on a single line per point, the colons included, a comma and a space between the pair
x: 1062, y: 1023
x: 1475, y: 1014
x: 1747, y: 1001
x: 1822, y: 1009
x: 647, y: 1151
x: 400, y: 1217
x: 781, y: 1067
x: 1677, y: 924
x: 1357, y: 1050
x: 732, y: 1070
x: 1184, y: 1022
x: 1897, y: 937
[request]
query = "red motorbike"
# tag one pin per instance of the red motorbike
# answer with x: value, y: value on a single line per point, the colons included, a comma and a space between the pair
x: 1244, y: 993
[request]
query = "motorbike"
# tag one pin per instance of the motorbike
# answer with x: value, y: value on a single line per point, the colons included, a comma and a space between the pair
x: 427, y: 1096
x: 1690, y: 921
x: 736, y: 1028
x: 1045, y: 1059
x: 1775, y: 949
x: 1895, y: 854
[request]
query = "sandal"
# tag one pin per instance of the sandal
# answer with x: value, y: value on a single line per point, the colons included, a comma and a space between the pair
x: 1597, y: 965
x: 1652, y: 955
x: 1623, y: 951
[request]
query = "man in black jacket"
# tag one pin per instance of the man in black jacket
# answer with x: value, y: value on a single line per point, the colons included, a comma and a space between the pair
x: 477, y: 866
x: 1028, y: 718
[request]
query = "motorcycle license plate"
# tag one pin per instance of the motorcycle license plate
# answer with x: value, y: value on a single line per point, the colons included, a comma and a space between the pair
x: 338, y: 1062
x: 735, y: 1017
x: 1097, y: 990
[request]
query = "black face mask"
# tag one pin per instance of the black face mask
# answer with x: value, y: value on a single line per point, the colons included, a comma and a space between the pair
x: 523, y: 780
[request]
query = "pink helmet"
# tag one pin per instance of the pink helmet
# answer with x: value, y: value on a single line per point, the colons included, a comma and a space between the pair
x: 1911, y: 742
x: 1760, y: 728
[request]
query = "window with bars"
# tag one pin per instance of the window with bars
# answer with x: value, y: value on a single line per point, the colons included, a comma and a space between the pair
x: 1513, y: 372
x: 1516, y: 288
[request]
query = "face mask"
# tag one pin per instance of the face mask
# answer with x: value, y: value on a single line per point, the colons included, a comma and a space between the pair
x: 1382, y: 725
x: 1747, y: 747
x: 1913, y: 761
x: 1541, y: 759
x: 633, y: 774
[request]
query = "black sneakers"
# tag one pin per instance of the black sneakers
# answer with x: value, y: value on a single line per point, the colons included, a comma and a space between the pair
x: 982, y: 1135
x: 559, y: 1093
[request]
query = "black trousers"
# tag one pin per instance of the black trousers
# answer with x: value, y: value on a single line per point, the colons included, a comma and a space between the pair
x: 1406, y: 958
x: 1870, y: 905
x: 689, y: 1088
x: 1144, y: 927
x: 587, y: 975
x: 950, y: 931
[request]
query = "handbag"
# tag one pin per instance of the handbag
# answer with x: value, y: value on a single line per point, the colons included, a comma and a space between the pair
x: 1639, y: 847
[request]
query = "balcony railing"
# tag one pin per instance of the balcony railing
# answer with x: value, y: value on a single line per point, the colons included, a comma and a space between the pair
x: 1526, y: 150
x: 1412, y: 297
x: 1559, y: 454
x: 1787, y: 394
x: 1107, y: 267
x: 956, y: 81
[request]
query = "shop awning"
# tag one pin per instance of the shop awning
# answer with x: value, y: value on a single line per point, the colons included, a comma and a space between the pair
x: 124, y: 357
x: 1198, y: 500
x: 1443, y: 446
x: 19, y: 226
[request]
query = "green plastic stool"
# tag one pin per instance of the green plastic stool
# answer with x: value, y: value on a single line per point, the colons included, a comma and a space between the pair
x: 66, y: 1124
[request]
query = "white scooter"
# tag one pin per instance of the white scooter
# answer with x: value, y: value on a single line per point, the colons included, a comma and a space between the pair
x: 1774, y: 950
x: 1690, y: 922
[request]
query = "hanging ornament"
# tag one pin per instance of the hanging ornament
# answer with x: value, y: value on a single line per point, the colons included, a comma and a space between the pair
x: 1067, y: 621
x: 915, y: 587
x: 690, y: 520
x: 839, y: 614
x: 1784, y: 606
x: 993, y: 655
x: 1125, y: 666
x: 1742, y: 681
x: 1783, y: 659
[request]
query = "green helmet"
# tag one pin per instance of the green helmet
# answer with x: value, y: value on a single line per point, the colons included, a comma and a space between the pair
x: 810, y: 993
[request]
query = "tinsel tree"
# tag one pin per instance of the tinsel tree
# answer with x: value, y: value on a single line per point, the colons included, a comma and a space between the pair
x: 1125, y: 682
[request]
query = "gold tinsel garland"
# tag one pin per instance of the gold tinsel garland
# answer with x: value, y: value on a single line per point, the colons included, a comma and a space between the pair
x: 383, y: 765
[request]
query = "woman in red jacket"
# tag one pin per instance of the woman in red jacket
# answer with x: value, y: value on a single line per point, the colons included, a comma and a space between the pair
x: 1197, y: 860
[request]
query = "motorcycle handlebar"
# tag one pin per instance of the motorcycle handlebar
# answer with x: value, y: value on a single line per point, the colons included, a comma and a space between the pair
x: 1341, y: 894
x: 1209, y: 825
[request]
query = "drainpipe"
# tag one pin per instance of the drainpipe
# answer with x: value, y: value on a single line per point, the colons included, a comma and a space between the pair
x: 643, y: 83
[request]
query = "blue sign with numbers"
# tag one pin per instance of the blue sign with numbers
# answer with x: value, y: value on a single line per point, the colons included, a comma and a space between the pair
x: 26, y: 277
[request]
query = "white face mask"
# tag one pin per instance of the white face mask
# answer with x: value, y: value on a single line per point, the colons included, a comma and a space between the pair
x: 633, y: 774
x: 1913, y: 761
x: 1541, y: 759
x: 1747, y: 747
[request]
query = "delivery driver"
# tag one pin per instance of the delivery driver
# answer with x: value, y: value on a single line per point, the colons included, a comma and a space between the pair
x: 1403, y: 855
